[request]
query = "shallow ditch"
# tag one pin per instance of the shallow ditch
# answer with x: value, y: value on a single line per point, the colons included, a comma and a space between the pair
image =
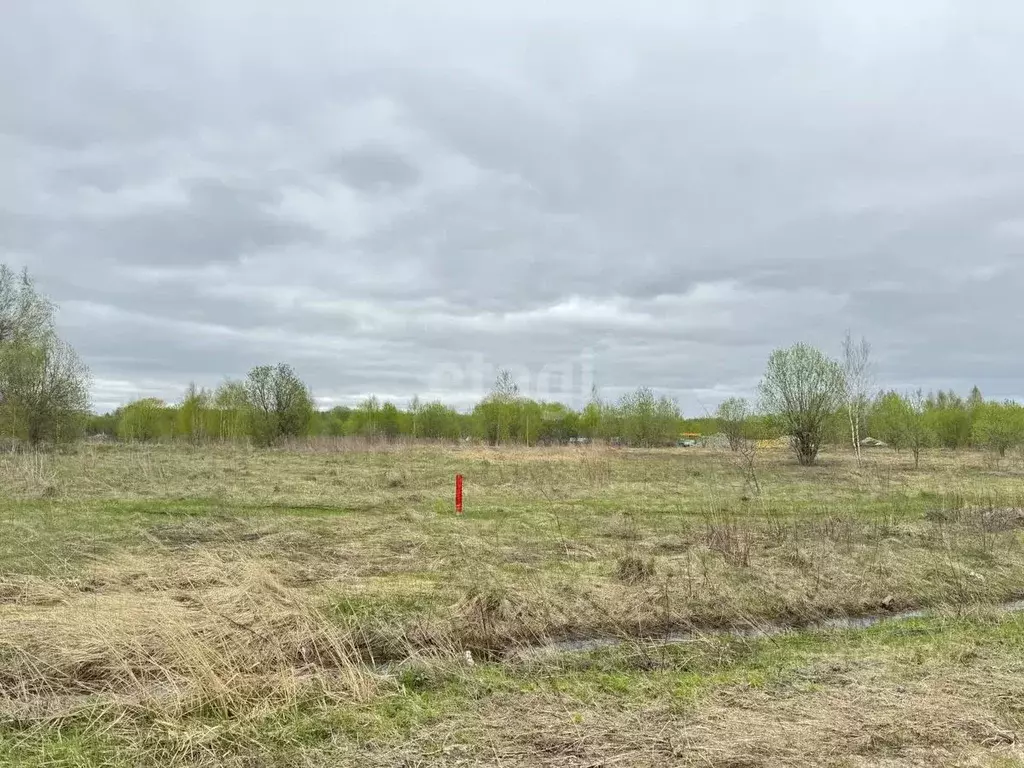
x: 754, y: 630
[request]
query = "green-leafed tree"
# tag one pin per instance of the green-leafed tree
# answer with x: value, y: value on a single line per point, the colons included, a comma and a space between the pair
x: 949, y: 418
x: 365, y: 420
x: 646, y: 420
x: 803, y: 390
x: 612, y: 421
x: 975, y: 399
x: 45, y: 390
x: 146, y: 420
x: 44, y: 386
x: 999, y: 426
x: 332, y: 423
x: 279, y: 404
x: 390, y: 421
x: 101, y: 424
x: 590, y: 417
x: 497, y: 415
x: 528, y: 424
x: 195, y: 416
x: 437, y: 421
x: 558, y: 424
x: 230, y: 418
x: 902, y: 422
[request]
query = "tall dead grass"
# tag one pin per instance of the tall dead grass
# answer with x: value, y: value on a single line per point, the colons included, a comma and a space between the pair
x: 243, y: 643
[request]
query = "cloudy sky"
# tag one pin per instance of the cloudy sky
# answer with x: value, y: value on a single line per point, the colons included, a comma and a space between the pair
x: 398, y: 197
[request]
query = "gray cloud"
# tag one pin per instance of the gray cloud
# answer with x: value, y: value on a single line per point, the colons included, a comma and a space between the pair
x: 375, y: 170
x: 397, y: 199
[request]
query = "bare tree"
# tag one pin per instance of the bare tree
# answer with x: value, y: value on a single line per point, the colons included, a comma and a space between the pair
x: 746, y: 450
x: 919, y: 434
x: 25, y: 315
x: 732, y: 416
x: 414, y: 410
x: 858, y: 377
x: 505, y: 403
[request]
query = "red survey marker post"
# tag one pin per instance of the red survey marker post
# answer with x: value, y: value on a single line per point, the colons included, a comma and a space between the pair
x: 458, y: 494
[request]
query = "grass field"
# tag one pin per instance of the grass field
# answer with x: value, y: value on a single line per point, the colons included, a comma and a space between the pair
x: 166, y: 606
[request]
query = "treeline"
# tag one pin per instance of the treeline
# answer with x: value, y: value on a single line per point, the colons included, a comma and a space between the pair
x: 914, y: 422
x: 941, y: 419
x: 814, y: 399
x: 272, y: 404
x: 230, y: 414
x: 804, y: 395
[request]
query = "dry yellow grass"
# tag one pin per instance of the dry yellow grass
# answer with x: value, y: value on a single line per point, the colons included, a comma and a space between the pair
x: 174, y: 606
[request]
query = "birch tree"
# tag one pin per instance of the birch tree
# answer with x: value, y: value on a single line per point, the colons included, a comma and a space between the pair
x: 414, y: 410
x: 857, y: 376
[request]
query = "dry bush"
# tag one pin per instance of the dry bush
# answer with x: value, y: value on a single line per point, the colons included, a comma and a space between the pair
x: 491, y: 617
x: 632, y: 569
x: 727, y: 536
x: 1000, y: 519
x: 31, y: 474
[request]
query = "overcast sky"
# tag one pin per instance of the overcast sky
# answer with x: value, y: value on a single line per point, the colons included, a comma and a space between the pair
x: 398, y: 197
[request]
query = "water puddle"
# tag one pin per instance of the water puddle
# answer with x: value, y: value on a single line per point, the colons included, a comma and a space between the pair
x: 752, y: 631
